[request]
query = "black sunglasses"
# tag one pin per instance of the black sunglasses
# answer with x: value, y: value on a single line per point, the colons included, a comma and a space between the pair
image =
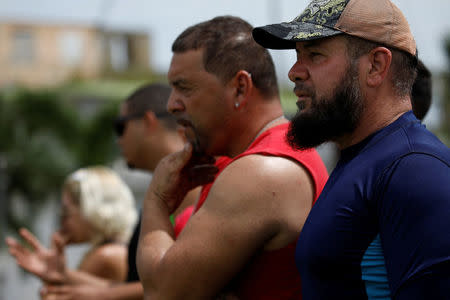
x: 120, y: 122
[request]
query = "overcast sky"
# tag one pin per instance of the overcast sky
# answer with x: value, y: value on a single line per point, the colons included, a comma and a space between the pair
x: 164, y: 20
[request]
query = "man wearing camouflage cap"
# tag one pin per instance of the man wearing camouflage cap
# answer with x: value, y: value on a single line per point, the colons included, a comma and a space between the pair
x: 388, y: 198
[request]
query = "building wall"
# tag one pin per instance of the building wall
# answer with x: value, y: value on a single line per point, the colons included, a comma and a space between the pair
x: 36, y: 55
x: 139, y: 50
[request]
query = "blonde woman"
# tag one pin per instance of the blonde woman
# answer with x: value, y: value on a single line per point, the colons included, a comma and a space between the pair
x: 97, y: 208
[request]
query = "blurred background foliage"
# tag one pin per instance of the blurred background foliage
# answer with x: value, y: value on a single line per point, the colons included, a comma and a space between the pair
x: 48, y: 133
x: 444, y: 129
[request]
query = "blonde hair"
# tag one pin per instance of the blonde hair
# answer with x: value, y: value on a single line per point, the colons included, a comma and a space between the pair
x: 105, y: 201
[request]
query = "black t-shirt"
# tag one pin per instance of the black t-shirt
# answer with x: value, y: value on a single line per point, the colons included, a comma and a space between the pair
x: 132, y: 251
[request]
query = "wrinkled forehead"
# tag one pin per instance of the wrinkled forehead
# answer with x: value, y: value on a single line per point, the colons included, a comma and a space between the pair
x: 190, y: 60
x: 187, y: 70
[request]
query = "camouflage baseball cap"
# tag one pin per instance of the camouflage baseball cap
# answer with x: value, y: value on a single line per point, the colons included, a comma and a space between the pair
x: 374, y: 20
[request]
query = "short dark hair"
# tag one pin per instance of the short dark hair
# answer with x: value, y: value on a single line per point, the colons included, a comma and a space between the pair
x: 229, y: 47
x: 152, y: 97
x: 421, y: 91
x: 403, y: 65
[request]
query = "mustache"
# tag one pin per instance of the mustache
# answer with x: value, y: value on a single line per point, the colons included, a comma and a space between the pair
x: 184, y: 122
x: 303, y: 89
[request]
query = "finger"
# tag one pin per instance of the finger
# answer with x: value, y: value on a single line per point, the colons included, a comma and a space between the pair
x: 58, y: 289
x: 58, y: 243
x: 15, y: 248
x: 16, y: 252
x: 177, y: 160
x: 185, y: 154
x: 31, y: 239
x: 22, y: 257
x: 11, y: 242
x: 43, y: 293
x: 56, y: 297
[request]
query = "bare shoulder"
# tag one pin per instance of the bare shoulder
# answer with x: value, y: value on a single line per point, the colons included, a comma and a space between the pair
x: 276, y: 191
x: 263, y: 176
x: 110, y: 251
x: 106, y: 261
x: 274, y: 170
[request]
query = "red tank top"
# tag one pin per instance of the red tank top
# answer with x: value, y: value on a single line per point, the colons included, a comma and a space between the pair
x: 273, y: 274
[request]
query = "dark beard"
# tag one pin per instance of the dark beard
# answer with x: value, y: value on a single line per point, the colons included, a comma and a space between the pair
x: 328, y: 119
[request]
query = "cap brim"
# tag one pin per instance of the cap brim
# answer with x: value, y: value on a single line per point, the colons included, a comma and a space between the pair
x: 285, y: 35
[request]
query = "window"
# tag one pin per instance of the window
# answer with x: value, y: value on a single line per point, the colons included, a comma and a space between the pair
x: 71, y: 48
x: 118, y: 46
x: 23, y: 51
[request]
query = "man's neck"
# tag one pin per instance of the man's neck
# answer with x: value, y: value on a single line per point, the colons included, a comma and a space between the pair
x: 255, y: 124
x: 374, y: 119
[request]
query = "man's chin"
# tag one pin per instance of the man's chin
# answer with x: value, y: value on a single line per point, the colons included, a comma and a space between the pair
x: 191, y: 137
x: 306, y: 132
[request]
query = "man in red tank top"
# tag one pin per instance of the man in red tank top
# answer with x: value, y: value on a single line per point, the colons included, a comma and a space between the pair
x: 239, y: 243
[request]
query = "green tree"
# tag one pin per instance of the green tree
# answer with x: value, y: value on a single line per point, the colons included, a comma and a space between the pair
x: 44, y: 138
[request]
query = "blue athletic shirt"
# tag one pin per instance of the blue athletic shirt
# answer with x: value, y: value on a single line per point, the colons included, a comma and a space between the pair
x: 387, y: 202
x: 373, y: 271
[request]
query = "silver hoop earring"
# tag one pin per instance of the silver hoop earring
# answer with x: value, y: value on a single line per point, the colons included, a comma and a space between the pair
x: 236, y: 104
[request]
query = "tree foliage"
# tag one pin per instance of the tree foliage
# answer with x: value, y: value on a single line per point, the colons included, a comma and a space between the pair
x: 44, y: 137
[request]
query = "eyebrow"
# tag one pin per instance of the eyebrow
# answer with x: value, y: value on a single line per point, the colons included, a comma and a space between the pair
x: 178, y: 82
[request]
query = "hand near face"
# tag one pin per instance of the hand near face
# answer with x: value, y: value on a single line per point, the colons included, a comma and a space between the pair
x: 180, y: 172
x: 46, y: 263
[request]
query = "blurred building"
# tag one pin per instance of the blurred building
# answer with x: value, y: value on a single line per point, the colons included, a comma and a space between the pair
x: 40, y: 54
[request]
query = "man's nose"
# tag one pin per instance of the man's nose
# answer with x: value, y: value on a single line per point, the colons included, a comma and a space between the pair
x: 298, y: 72
x: 175, y: 103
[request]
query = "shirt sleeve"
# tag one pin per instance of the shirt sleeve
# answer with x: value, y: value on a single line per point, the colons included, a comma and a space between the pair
x: 414, y: 220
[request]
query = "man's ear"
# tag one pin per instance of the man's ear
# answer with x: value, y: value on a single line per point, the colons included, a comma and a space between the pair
x: 379, y: 64
x: 242, y: 86
x: 150, y: 120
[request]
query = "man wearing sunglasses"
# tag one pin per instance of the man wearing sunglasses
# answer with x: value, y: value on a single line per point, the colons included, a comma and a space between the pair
x: 146, y: 133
